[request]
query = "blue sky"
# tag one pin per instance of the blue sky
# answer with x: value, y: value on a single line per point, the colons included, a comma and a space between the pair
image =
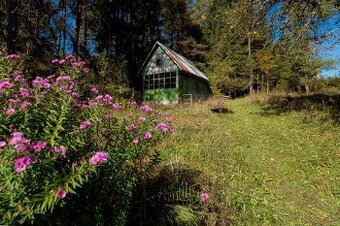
x: 329, y: 50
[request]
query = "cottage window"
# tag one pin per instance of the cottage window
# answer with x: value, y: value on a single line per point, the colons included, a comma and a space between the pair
x: 160, y: 81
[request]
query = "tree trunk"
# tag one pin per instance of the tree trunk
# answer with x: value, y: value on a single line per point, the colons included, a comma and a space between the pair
x: 77, y: 26
x: 251, y: 70
x: 84, y: 36
x: 267, y: 86
x: 65, y: 26
x: 12, y: 31
x: 307, y: 84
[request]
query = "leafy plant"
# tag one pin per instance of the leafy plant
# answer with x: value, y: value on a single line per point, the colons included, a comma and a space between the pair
x: 57, y: 138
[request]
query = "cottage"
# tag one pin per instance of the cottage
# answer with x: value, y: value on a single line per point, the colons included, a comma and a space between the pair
x: 168, y: 77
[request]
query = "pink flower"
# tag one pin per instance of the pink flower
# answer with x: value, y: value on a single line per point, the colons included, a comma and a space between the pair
x: 74, y: 94
x: 132, y: 127
x: 69, y: 57
x: 24, y: 92
x: 116, y: 107
x: 21, y: 163
x: 60, y: 149
x: 12, y: 56
x: 40, y: 82
x: 133, y: 103
x: 2, y: 144
x: 16, y: 138
x: 86, y: 124
x: 78, y: 64
x: 65, y: 84
x: 13, y: 101
x: 40, y: 145
x: 146, y: 108
x: 4, y: 84
x: 62, y: 61
x: 55, y: 61
x: 23, y: 145
x: 86, y: 70
x: 204, y: 197
x: 10, y: 111
x: 108, y: 117
x: 99, y: 158
x: 147, y: 136
x: 25, y: 105
x: 135, y: 141
x: 168, y: 118
x: 142, y: 119
x: 61, y: 193
x: 94, y: 90
x: 98, y: 98
x: 107, y: 99
x: 163, y: 127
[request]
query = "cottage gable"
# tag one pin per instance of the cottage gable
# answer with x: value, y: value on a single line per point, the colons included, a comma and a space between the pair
x: 159, y: 62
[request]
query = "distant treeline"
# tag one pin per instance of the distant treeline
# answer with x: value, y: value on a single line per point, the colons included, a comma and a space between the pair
x: 243, y: 46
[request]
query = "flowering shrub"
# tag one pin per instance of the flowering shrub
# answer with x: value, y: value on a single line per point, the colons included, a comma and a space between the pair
x: 54, y: 140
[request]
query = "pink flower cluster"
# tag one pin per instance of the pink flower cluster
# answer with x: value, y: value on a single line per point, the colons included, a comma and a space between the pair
x: 163, y: 127
x: 94, y: 90
x: 147, y: 136
x: 99, y: 158
x: 39, y: 145
x: 142, y: 119
x: 22, y: 162
x: 25, y: 93
x: 41, y: 83
x: 168, y: 118
x: 10, y: 111
x: 5, y: 84
x: 59, y: 149
x: 86, y: 124
x: 146, y: 108
x: 65, y: 84
x: 132, y: 127
x: 19, y: 142
x: 74, y: 62
x: 22, y: 144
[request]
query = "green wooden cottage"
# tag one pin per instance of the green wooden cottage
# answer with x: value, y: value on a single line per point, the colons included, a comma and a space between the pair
x: 168, y: 77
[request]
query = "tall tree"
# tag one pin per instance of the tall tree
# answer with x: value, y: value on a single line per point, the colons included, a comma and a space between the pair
x: 12, y: 25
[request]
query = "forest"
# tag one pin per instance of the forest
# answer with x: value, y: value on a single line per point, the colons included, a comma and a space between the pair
x: 80, y: 145
x: 242, y: 46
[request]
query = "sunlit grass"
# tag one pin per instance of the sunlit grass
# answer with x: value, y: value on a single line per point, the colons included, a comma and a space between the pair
x: 260, y: 169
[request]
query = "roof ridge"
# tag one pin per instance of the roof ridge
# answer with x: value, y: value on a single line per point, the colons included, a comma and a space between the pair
x: 182, y: 62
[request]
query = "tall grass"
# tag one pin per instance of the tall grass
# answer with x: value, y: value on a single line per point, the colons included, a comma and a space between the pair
x: 259, y: 169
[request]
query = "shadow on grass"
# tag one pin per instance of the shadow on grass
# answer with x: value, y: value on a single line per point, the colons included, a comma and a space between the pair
x: 171, y: 196
x: 168, y: 196
x: 223, y: 110
x: 327, y: 103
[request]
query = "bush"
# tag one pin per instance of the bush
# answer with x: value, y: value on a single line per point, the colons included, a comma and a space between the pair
x: 59, y: 146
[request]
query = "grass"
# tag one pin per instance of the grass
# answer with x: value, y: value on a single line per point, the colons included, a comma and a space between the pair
x: 259, y: 169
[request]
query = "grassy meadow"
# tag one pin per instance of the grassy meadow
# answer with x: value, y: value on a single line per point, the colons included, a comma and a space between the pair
x: 259, y: 168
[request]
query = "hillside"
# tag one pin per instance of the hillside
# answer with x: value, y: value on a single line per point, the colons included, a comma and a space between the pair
x: 259, y: 168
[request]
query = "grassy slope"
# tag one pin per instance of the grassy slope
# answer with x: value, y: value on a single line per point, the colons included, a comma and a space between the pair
x: 260, y: 169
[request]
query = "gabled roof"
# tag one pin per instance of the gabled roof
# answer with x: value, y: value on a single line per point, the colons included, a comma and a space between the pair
x: 183, y: 63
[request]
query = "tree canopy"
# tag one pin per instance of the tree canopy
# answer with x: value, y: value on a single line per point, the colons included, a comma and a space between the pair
x: 244, y: 46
